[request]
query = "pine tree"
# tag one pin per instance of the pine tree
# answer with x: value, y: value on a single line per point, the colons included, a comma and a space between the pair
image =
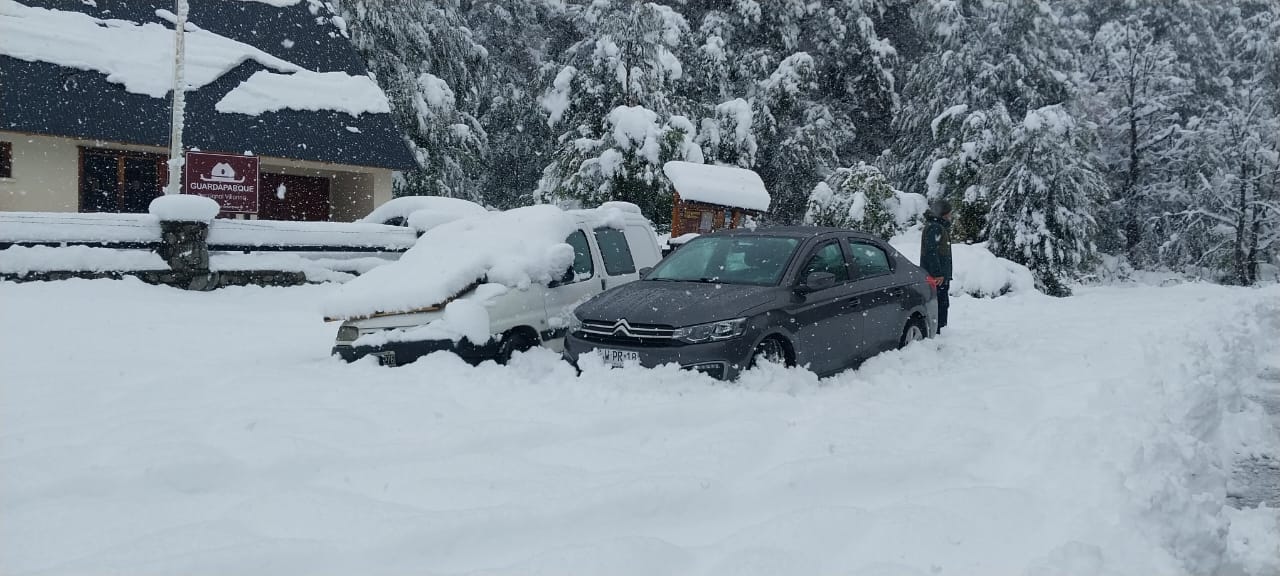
x: 1044, y: 190
x: 1228, y: 221
x: 1141, y: 88
x: 858, y: 197
x: 993, y: 61
x: 428, y: 64
x: 521, y: 36
x: 624, y: 164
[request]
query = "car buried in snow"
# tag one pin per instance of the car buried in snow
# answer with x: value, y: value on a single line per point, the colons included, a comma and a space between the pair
x: 474, y: 313
x: 822, y: 298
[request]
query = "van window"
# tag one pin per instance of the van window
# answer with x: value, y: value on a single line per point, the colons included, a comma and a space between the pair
x: 615, y: 251
x: 644, y: 245
x: 583, y: 267
x: 871, y: 260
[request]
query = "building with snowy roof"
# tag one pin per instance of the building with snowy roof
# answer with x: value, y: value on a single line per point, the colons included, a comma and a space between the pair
x: 85, y: 107
x: 710, y: 197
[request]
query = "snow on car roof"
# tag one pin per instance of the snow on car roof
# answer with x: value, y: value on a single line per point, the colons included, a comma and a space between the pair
x: 720, y: 185
x: 515, y: 248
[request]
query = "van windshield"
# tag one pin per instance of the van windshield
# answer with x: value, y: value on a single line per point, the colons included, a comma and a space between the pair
x: 754, y: 260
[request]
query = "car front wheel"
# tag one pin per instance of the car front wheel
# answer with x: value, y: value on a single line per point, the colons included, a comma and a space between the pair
x: 770, y: 350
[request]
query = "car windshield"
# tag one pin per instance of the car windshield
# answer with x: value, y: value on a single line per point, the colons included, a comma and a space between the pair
x: 755, y: 260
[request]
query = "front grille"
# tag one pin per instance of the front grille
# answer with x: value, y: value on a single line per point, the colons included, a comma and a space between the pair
x: 625, y: 333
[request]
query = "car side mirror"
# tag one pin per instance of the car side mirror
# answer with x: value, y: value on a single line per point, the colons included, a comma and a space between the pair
x: 816, y: 281
x: 567, y: 278
x: 645, y: 271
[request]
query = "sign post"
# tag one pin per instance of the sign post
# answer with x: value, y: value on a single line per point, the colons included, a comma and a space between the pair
x: 230, y: 180
x: 177, y: 118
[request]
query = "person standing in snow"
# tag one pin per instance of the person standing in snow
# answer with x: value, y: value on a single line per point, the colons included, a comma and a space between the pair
x: 935, y: 253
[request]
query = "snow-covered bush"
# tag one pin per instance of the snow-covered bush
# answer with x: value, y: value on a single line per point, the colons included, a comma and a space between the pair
x: 976, y: 271
x: 861, y: 197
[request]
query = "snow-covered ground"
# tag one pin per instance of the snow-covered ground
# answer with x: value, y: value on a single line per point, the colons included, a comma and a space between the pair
x: 145, y: 430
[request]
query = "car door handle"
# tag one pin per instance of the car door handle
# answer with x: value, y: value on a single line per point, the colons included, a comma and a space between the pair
x: 854, y: 302
x: 896, y: 291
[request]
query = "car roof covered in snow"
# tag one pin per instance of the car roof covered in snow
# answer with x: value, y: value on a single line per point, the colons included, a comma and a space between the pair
x: 719, y: 185
x: 276, y: 81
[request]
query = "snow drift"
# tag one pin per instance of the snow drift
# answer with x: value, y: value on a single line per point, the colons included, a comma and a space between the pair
x: 1026, y: 441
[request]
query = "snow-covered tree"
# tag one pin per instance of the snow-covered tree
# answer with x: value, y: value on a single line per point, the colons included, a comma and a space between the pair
x: 520, y: 37
x: 625, y: 163
x: 1141, y: 87
x: 798, y: 144
x: 858, y: 197
x: 1043, y: 199
x: 1229, y: 221
x: 429, y: 65
x: 994, y: 61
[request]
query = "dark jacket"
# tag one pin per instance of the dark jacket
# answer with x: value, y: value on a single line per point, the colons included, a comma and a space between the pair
x: 935, y: 247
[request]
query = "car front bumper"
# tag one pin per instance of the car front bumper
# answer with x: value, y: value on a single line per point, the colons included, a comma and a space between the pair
x: 398, y: 353
x: 724, y: 359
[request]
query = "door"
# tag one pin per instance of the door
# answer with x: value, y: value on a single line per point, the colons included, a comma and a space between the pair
x: 288, y: 197
x: 140, y: 185
x: 825, y: 336
x: 579, y: 283
x: 99, y: 183
x: 880, y: 294
x: 615, y: 254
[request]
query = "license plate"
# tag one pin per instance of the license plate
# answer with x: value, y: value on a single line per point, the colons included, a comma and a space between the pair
x: 385, y: 358
x: 617, y: 358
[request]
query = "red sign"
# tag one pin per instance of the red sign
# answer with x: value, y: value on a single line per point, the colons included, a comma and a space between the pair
x: 230, y: 180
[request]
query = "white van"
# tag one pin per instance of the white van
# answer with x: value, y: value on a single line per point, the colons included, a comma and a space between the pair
x: 518, y: 318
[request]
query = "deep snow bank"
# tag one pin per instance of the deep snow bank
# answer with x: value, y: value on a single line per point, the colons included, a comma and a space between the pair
x: 1041, y: 436
x: 977, y: 271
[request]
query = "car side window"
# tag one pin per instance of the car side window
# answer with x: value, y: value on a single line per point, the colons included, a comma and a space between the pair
x: 615, y: 251
x: 871, y: 260
x: 583, y: 267
x: 827, y: 258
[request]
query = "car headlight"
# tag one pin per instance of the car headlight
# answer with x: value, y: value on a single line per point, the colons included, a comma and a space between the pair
x: 348, y: 333
x: 573, y: 323
x: 722, y: 330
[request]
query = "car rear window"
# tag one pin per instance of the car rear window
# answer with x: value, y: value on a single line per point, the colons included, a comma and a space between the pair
x: 615, y: 251
x: 871, y: 260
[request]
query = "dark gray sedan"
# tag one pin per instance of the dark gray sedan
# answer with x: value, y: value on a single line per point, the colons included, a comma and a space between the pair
x: 822, y: 298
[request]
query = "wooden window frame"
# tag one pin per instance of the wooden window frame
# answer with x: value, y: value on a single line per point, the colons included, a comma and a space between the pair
x: 162, y: 169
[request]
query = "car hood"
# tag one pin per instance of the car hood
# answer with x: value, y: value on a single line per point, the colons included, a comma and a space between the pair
x: 676, y: 303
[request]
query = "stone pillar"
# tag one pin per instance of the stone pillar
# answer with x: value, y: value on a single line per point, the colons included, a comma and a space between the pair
x: 184, y: 234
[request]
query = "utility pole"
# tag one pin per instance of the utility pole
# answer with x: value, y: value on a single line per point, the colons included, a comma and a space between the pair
x: 176, y: 160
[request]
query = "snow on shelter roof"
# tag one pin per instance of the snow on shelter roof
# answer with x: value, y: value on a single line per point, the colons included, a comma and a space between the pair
x: 270, y: 78
x: 720, y: 185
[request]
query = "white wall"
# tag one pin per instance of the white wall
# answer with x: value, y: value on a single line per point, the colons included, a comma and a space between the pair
x: 46, y: 175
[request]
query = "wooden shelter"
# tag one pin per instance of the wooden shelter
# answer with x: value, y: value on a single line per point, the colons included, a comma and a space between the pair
x: 710, y: 197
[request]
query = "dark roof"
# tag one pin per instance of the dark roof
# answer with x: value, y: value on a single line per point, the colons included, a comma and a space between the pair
x: 44, y: 98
